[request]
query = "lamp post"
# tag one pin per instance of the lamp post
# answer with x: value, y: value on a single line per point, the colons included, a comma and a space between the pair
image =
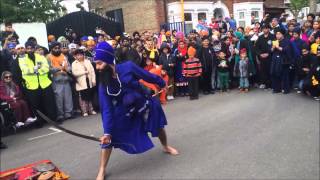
x: 182, y: 14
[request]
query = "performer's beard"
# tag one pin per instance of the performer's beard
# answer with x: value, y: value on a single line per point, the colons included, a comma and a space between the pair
x: 56, y: 53
x: 105, y: 75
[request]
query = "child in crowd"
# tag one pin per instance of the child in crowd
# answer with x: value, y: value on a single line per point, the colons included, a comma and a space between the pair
x: 40, y: 50
x: 192, y: 71
x: 180, y: 55
x: 161, y: 38
x: 241, y: 70
x: 223, y: 71
x: 157, y: 70
x: 85, y: 80
x: 167, y: 61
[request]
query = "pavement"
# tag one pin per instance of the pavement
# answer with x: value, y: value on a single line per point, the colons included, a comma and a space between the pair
x: 255, y: 135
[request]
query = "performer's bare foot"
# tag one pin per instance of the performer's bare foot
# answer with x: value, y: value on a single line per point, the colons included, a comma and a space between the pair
x: 170, y: 150
x: 100, y: 175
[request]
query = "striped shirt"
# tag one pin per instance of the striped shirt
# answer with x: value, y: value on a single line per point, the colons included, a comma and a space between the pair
x: 192, y: 67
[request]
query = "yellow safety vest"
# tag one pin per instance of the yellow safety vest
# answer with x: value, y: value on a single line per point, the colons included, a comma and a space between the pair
x: 32, y: 79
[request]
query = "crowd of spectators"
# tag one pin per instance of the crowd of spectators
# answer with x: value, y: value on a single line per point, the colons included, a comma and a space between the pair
x: 277, y: 54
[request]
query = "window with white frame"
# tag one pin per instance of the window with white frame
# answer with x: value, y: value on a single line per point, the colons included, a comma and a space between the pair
x: 242, y: 20
x: 202, y: 16
x: 187, y: 17
x: 255, y: 15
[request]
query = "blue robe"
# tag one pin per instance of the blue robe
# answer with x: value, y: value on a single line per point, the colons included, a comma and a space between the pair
x: 131, y: 133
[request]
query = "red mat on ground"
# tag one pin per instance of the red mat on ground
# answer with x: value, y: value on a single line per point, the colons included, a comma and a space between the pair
x: 31, y: 171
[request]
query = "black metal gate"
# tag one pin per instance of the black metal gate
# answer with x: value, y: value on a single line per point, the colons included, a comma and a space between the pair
x: 83, y: 23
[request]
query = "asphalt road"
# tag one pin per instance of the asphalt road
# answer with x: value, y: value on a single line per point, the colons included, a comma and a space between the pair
x: 258, y: 135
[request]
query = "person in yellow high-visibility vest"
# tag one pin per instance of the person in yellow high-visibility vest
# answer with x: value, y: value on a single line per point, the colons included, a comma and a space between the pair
x: 37, y: 84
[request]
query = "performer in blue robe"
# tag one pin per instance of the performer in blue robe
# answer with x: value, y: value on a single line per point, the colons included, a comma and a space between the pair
x: 129, y: 112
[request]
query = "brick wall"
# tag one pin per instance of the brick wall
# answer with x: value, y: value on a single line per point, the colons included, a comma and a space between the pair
x: 137, y: 14
x: 229, y: 4
x: 274, y: 3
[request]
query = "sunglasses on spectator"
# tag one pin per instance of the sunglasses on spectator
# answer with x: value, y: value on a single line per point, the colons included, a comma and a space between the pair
x: 7, y: 77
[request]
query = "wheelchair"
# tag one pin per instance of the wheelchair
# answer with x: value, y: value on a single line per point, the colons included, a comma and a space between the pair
x: 7, y: 118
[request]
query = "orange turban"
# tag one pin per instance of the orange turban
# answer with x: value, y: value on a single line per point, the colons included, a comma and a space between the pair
x: 51, y: 38
x: 204, y: 33
x: 192, y: 51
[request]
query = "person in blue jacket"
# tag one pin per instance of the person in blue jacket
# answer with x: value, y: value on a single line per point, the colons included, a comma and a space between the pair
x: 129, y: 112
x: 280, y: 63
x: 297, y: 44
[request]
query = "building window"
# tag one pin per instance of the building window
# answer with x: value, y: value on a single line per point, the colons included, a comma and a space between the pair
x: 255, y: 16
x: 189, y: 27
x: 241, y: 15
x: 202, y: 16
x: 187, y: 17
x: 242, y: 21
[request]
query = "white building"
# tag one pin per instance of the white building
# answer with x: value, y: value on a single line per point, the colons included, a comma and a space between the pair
x: 245, y: 10
x: 205, y: 10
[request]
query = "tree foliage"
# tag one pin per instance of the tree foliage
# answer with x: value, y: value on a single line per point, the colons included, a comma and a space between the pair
x: 313, y: 5
x: 296, y: 5
x: 80, y: 6
x: 30, y: 10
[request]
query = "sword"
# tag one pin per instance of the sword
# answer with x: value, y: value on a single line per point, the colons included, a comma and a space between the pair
x: 156, y: 94
x: 92, y: 138
x: 66, y: 130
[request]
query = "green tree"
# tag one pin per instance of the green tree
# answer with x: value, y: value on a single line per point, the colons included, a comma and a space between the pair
x: 313, y: 5
x: 30, y: 10
x: 79, y: 5
x: 296, y: 5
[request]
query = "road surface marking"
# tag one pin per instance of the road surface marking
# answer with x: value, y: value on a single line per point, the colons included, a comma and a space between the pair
x: 56, y: 131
